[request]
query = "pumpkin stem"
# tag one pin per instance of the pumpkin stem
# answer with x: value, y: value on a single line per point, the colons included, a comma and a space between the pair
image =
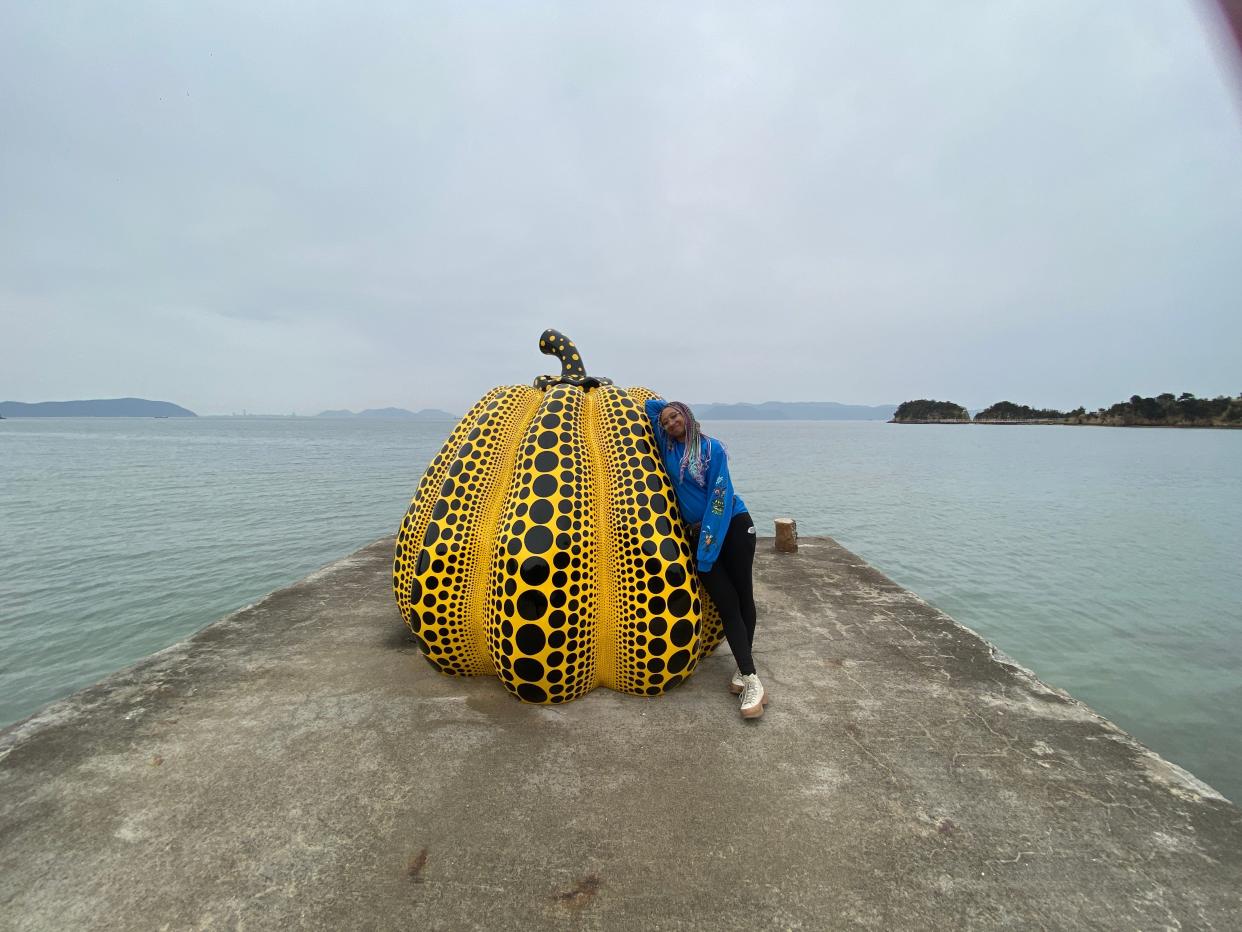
x: 555, y: 343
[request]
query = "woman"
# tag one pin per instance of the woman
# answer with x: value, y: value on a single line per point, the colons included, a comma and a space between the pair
x: 723, y: 530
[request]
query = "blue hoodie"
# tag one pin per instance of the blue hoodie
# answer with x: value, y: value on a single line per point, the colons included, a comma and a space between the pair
x: 713, y: 504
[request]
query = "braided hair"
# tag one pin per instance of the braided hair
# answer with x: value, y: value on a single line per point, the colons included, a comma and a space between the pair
x: 694, y: 460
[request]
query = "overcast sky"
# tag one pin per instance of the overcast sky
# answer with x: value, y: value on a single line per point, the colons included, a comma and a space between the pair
x: 293, y: 207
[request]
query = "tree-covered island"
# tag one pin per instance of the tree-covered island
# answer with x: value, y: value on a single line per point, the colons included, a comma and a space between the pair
x: 1166, y: 410
x: 1005, y: 412
x: 925, y: 411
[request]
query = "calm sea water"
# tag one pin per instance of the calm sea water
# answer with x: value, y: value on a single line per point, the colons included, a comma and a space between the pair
x: 1104, y: 559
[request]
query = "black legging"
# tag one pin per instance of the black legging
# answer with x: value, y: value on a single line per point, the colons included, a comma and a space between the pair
x: 729, y: 584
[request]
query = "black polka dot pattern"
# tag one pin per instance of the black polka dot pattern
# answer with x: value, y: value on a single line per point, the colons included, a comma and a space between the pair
x: 543, y: 622
x: 445, y: 544
x: 632, y: 568
x: 573, y: 370
x: 555, y: 343
x: 544, y: 546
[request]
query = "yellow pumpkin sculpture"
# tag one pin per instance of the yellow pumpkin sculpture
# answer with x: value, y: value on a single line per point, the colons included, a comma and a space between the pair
x: 544, y: 545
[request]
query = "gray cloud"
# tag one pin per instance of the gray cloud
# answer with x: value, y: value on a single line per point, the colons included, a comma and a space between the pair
x: 295, y: 208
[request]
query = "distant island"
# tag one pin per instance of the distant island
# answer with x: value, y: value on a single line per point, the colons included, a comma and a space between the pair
x: 927, y: 411
x: 793, y: 411
x: 426, y: 414
x: 1006, y: 411
x: 96, y: 407
x: 1166, y: 410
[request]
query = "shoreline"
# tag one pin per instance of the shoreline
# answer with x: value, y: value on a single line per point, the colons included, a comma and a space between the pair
x: 1048, y: 423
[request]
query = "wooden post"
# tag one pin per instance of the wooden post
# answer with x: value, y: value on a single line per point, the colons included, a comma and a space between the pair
x: 786, y: 535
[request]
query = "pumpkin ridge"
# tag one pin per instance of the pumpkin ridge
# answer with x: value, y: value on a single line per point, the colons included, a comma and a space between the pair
x: 606, y: 557
x: 657, y: 614
x: 458, y: 534
x: 489, y: 517
x: 541, y: 629
x: 418, y: 515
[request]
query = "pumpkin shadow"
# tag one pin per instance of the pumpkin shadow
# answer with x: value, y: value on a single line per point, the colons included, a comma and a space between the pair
x: 398, y: 637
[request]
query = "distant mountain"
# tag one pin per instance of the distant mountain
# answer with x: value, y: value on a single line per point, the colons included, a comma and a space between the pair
x: 426, y: 414
x: 793, y: 411
x: 96, y: 407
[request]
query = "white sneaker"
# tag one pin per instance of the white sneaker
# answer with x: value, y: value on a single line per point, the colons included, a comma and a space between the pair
x: 753, y: 696
x: 736, y: 684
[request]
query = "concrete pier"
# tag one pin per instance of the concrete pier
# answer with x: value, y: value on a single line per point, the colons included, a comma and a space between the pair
x: 297, y: 765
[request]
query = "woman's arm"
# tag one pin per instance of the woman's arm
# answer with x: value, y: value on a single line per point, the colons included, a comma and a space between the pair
x: 719, y: 510
x: 653, y: 407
